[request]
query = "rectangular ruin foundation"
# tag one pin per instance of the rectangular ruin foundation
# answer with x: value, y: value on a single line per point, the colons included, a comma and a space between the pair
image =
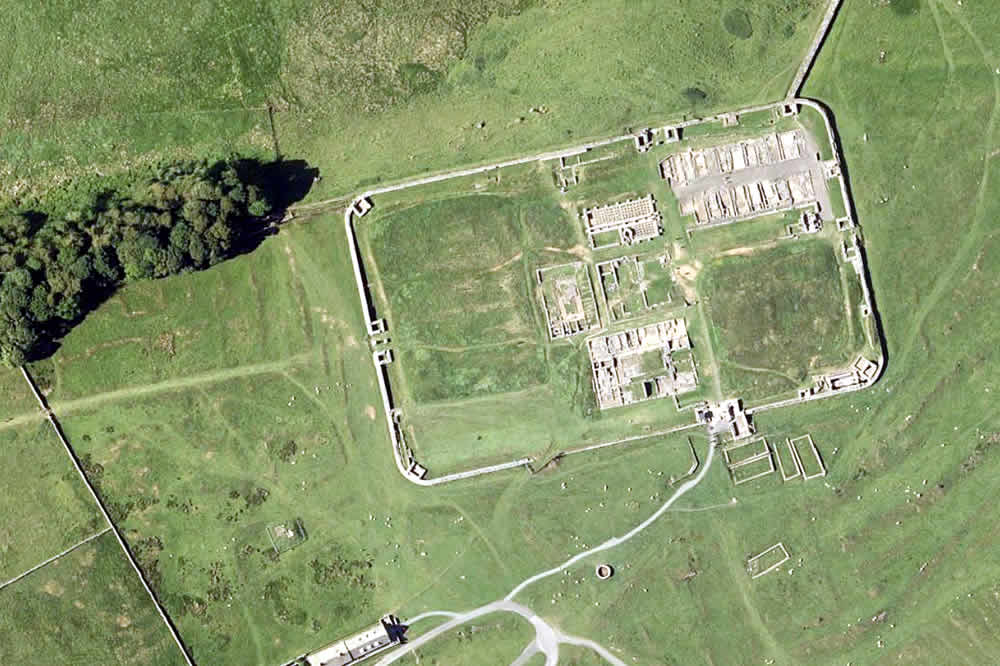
x: 624, y: 223
x: 807, y: 457
x: 788, y: 464
x: 625, y: 285
x: 745, y: 451
x: 747, y: 178
x: 567, y: 298
x: 759, y: 197
x: 768, y: 560
x: 637, y: 364
x: 693, y: 164
x: 753, y: 468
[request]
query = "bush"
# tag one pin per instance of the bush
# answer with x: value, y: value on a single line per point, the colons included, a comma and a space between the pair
x: 695, y: 95
x: 737, y: 24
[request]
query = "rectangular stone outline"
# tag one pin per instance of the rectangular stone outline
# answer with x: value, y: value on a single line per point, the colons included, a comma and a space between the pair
x: 731, y: 464
x: 777, y: 546
x: 795, y: 462
x: 815, y: 452
x: 545, y: 307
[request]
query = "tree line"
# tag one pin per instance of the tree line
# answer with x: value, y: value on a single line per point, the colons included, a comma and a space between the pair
x: 54, y: 268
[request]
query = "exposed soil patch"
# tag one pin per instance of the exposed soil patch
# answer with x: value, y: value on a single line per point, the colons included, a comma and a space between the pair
x: 739, y: 251
x: 577, y: 250
x: 503, y: 265
x: 87, y: 557
x: 686, y: 276
x: 370, y: 412
x: 53, y: 588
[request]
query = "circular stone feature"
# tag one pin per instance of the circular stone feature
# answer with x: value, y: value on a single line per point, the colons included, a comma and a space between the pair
x: 604, y: 571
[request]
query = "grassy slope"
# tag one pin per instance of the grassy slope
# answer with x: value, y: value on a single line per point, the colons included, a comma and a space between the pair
x: 108, y: 84
x: 592, y: 66
x: 363, y: 91
x: 176, y: 455
x: 856, y: 560
x: 931, y: 417
x: 86, y: 608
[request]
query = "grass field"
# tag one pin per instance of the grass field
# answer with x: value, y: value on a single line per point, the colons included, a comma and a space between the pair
x: 380, y: 91
x: 904, y: 524
x: 262, y: 319
x: 875, y: 545
x: 469, y: 243
x: 85, y: 608
x: 455, y: 276
x: 44, y: 504
x: 196, y: 464
x: 780, y: 316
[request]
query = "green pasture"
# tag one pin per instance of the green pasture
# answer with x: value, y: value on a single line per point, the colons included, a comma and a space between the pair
x: 197, y: 446
x: 763, y: 230
x: 471, y: 245
x: 195, y: 470
x: 779, y: 316
x: 253, y: 313
x: 868, y: 543
x: 44, y: 504
x: 87, y: 607
x: 381, y: 92
x: 573, y: 655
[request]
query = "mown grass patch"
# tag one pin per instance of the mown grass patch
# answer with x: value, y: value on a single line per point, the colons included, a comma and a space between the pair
x: 442, y: 374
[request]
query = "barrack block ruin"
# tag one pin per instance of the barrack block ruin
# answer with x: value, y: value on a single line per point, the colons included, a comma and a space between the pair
x: 567, y: 298
x: 624, y: 223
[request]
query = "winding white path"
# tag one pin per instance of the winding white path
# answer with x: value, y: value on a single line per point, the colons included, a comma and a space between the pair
x: 547, y: 637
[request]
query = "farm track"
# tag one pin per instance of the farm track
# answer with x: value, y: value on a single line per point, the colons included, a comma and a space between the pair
x: 215, y: 376
x: 972, y: 237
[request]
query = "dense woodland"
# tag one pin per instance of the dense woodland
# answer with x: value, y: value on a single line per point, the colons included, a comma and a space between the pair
x: 55, y: 267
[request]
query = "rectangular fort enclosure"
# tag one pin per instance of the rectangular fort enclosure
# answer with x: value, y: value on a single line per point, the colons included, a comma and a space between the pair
x: 614, y: 291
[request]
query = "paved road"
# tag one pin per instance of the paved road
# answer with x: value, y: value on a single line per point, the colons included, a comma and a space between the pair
x: 547, y: 637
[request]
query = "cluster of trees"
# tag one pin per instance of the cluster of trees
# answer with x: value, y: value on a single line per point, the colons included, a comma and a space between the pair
x: 55, y: 268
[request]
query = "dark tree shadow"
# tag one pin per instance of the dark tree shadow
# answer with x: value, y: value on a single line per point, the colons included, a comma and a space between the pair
x: 282, y: 183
